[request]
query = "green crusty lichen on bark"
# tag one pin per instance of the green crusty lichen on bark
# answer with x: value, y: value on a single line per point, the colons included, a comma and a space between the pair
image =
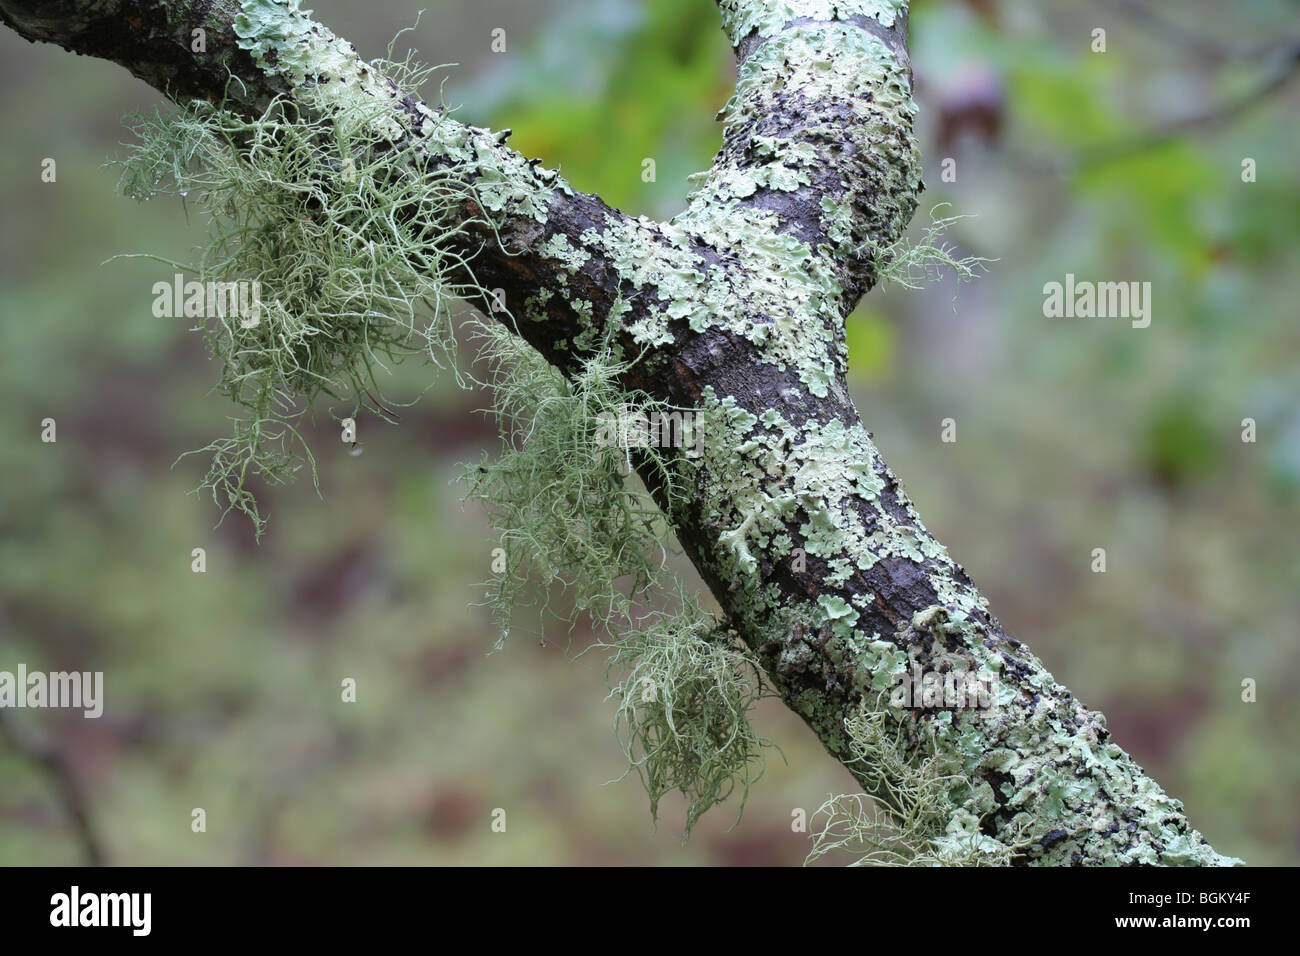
x: 1029, y: 775
x: 740, y: 18
x: 819, y: 63
x: 781, y: 295
x: 285, y: 41
x: 761, y: 471
x: 727, y: 264
x: 781, y: 290
x: 1026, y: 775
x: 1059, y: 778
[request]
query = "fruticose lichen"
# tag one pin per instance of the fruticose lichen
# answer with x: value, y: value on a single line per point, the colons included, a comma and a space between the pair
x: 684, y: 700
x: 915, y: 264
x: 331, y: 204
x: 558, y: 496
x: 354, y: 256
x: 920, y: 813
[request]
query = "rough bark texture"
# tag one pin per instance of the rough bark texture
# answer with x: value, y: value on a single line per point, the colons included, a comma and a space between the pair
x: 803, y: 534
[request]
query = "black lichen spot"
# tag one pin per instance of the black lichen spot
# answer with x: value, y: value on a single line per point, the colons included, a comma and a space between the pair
x: 1056, y: 836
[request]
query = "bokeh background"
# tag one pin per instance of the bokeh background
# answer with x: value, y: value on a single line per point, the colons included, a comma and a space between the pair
x: 223, y: 687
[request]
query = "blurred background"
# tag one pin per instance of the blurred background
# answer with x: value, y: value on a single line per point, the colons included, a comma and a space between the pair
x: 223, y: 688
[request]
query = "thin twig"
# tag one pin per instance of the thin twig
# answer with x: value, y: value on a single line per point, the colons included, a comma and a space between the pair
x: 38, y: 748
x: 1286, y: 60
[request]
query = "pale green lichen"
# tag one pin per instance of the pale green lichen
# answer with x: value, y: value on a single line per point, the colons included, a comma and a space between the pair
x: 568, y: 520
x: 741, y: 18
x: 308, y: 209
x: 1060, y: 782
x: 788, y: 300
x: 775, y: 290
x: 330, y: 203
x: 858, y: 71
x: 913, y: 264
x: 837, y: 613
x: 684, y: 700
x: 916, y: 811
x: 559, y: 248
x: 558, y: 494
x: 664, y: 258
x: 285, y: 41
x: 821, y: 470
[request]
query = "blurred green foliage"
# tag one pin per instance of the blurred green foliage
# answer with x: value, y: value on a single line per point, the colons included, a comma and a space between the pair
x: 223, y: 687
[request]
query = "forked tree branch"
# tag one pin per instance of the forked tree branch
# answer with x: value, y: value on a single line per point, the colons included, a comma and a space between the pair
x: 737, y: 306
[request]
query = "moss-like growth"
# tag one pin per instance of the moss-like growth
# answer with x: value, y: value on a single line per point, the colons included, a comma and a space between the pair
x: 352, y: 239
x: 684, y: 700
x: 559, y: 497
x: 351, y: 245
x: 914, y: 264
x: 557, y: 493
x: 916, y: 811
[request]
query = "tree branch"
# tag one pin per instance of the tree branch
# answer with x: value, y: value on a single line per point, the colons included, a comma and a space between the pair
x: 37, y: 748
x: 737, y: 306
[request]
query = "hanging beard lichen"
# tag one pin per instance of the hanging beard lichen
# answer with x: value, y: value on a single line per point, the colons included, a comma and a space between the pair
x: 558, y: 494
x: 684, y: 700
x: 350, y: 243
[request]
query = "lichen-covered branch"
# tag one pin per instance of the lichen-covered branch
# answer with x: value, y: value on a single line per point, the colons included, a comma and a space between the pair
x: 736, y: 308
